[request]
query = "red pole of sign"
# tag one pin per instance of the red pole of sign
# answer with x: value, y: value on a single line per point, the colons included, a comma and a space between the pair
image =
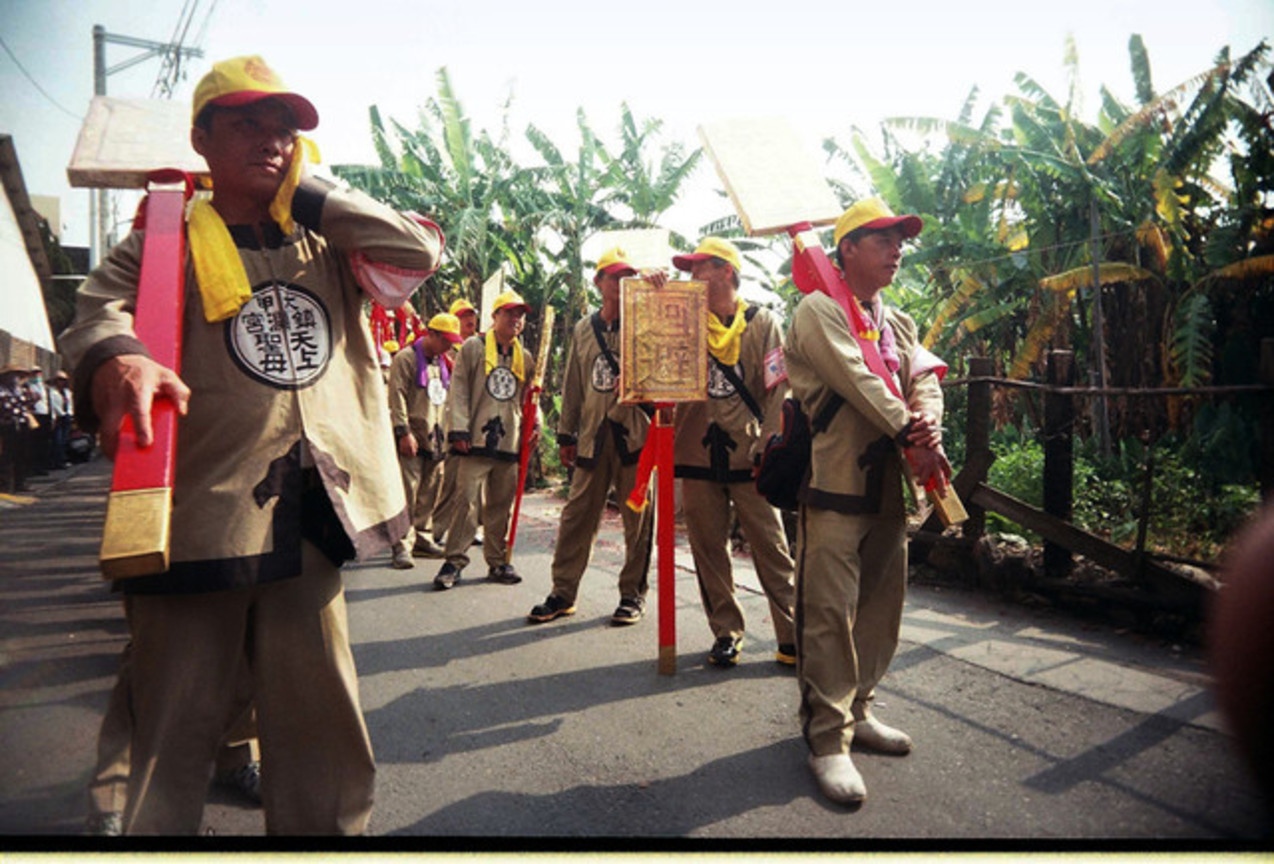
x: 139, y: 509
x: 530, y: 416
x: 665, y: 538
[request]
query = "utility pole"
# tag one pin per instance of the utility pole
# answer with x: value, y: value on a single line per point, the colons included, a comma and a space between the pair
x: 173, y: 53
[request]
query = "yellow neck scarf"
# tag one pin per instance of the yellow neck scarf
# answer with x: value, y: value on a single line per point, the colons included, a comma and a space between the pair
x: 723, y: 341
x: 518, y: 364
x: 223, y: 283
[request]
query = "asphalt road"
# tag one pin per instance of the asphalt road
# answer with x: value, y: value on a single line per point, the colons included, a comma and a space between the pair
x: 1029, y: 726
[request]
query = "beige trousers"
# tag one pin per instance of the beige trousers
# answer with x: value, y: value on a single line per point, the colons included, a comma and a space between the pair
x: 317, y: 767
x: 851, y: 579
x: 421, y: 475
x: 448, y: 496
x: 108, y: 789
x: 496, y: 481
x: 707, y: 508
x: 582, y: 515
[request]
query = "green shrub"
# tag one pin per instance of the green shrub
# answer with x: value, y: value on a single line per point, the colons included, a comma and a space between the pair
x: 1193, y: 512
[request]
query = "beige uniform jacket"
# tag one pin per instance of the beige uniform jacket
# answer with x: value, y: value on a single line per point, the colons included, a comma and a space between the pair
x: 289, y: 382
x: 856, y: 464
x: 420, y: 409
x: 486, y: 409
x: 720, y: 438
x: 590, y: 397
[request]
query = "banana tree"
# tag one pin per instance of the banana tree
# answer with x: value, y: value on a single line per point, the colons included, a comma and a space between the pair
x: 465, y: 182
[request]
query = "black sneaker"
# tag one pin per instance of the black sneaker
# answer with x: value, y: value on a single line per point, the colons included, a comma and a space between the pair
x: 629, y: 611
x: 725, y: 653
x: 245, y: 781
x: 504, y: 574
x: 448, y: 576
x: 553, y: 607
x: 786, y: 654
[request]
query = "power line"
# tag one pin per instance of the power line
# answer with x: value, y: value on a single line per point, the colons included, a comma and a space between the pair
x: 36, y: 84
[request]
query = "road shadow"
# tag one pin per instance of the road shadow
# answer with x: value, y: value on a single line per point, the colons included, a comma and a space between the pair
x: 677, y: 807
x: 461, y: 718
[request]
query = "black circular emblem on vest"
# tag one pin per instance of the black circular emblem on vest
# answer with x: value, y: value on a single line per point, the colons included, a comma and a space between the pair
x: 282, y: 336
x: 502, y: 384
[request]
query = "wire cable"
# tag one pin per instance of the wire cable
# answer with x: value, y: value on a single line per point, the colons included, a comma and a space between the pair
x: 36, y: 84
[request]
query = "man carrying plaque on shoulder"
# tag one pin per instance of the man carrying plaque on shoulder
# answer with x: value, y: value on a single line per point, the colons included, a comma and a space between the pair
x: 285, y: 461
x: 852, y: 566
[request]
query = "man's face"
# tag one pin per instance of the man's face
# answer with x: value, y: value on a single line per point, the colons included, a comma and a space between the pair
x: 435, y: 343
x: 509, y: 322
x: 716, y: 273
x: 248, y: 149
x: 873, y: 261
x: 608, y: 285
x: 468, y: 324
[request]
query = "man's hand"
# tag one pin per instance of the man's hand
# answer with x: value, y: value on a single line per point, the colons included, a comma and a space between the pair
x: 407, y: 447
x: 567, y: 453
x: 929, y: 466
x: 925, y: 431
x: 128, y: 385
x: 657, y: 278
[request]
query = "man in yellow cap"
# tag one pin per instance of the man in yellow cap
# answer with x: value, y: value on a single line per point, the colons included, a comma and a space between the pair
x: 448, y: 496
x: 852, y: 525
x: 468, y: 316
x: 419, y: 380
x: 285, y: 461
x: 484, y: 417
x: 602, y: 440
x: 718, y: 444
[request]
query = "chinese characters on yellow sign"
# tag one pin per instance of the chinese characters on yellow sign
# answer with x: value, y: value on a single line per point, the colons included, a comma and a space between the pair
x: 664, y: 341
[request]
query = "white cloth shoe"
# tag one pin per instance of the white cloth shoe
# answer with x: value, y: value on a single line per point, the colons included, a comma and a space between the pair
x: 874, y: 735
x: 838, y: 779
x: 402, y: 560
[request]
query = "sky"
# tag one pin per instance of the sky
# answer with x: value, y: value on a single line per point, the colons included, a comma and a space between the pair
x: 826, y: 66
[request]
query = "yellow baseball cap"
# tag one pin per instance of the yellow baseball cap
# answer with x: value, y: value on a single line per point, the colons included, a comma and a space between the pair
x: 711, y: 247
x: 510, y: 300
x: 873, y: 214
x: 615, y: 261
x: 244, y: 80
x: 461, y: 307
x: 447, y: 326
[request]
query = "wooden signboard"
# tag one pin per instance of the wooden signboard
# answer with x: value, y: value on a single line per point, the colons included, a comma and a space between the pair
x: 769, y: 174
x: 664, y: 341
x: 646, y: 248
x: 123, y: 140
x: 491, y: 289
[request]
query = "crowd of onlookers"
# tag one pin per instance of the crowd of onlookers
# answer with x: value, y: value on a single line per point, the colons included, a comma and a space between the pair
x: 37, y: 426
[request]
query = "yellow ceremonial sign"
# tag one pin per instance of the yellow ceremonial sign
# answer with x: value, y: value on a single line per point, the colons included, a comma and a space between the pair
x: 663, y: 341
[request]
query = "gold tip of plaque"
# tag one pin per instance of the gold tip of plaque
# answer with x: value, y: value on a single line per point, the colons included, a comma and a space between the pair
x: 667, y: 659
x: 948, y: 506
x: 135, y: 536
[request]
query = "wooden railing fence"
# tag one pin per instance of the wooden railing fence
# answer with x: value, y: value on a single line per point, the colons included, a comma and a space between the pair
x: 1157, y: 582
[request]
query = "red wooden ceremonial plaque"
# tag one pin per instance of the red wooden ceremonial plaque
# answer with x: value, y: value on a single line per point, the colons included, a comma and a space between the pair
x: 139, y: 509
